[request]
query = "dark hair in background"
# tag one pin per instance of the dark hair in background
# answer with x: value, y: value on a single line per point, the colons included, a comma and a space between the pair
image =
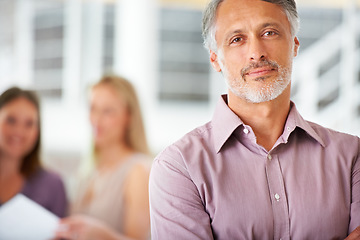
x: 31, y: 162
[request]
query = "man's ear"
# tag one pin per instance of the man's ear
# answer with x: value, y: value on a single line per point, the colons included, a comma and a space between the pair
x: 296, y: 46
x: 214, y: 61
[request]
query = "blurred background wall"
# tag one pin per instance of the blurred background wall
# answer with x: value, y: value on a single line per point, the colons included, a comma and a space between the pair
x: 59, y: 48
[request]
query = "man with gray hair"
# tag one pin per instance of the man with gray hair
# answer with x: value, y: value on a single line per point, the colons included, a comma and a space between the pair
x: 257, y: 170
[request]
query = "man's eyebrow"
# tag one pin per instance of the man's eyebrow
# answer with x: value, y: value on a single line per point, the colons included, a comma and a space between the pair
x: 264, y: 25
x: 270, y: 24
x: 232, y: 33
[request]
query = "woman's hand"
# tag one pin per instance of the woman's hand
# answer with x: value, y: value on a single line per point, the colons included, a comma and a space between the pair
x: 81, y: 227
x: 354, y: 235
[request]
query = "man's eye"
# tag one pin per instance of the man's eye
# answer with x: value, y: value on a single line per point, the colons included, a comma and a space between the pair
x: 269, y: 33
x: 237, y: 39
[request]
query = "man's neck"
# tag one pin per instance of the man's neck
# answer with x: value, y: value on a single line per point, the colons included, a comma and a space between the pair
x: 267, y: 119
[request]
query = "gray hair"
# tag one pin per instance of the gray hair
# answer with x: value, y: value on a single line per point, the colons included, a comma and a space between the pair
x: 209, y: 19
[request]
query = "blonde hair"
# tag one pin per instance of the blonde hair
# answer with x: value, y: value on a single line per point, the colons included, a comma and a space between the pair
x: 135, y: 136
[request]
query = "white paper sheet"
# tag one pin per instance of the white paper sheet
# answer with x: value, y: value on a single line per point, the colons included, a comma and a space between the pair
x: 22, y: 218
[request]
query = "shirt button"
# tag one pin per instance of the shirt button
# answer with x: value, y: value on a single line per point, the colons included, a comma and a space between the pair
x: 246, y: 131
x: 269, y: 157
x: 288, y: 128
x: 277, y: 197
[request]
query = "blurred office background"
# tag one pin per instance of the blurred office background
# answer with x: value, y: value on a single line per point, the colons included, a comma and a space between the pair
x: 59, y: 47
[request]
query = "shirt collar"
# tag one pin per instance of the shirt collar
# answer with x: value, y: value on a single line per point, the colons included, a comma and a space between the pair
x: 225, y: 122
x: 296, y: 120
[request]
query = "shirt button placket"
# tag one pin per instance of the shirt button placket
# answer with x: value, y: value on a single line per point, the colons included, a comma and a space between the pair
x: 278, y: 196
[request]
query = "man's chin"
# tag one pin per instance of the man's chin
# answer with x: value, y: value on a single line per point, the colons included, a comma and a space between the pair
x: 258, y: 79
x: 256, y: 97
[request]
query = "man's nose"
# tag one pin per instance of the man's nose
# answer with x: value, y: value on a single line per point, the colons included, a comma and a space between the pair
x: 257, y: 49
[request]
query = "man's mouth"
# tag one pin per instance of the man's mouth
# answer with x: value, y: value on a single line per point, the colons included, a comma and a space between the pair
x: 260, y: 69
x: 260, y: 72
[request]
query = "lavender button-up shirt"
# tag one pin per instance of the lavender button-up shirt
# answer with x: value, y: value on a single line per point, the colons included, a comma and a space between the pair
x: 218, y: 183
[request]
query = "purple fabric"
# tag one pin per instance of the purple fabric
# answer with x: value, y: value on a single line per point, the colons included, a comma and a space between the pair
x: 218, y: 183
x: 47, y: 189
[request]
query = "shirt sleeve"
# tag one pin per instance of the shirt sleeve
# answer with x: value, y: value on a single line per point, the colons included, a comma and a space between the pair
x: 176, y: 209
x: 355, y: 192
x: 59, y: 202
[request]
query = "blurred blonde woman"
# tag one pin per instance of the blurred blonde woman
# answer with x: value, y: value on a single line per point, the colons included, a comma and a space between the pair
x: 112, y: 202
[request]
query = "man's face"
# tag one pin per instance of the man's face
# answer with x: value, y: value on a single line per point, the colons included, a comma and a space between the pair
x: 255, y: 49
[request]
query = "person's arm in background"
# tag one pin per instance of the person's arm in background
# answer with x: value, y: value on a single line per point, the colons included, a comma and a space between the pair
x: 176, y: 209
x: 59, y: 199
x: 81, y: 227
x: 136, y: 215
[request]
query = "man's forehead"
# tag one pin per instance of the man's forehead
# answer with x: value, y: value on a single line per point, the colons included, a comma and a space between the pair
x: 247, y: 10
x: 243, y: 3
x: 241, y: 16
